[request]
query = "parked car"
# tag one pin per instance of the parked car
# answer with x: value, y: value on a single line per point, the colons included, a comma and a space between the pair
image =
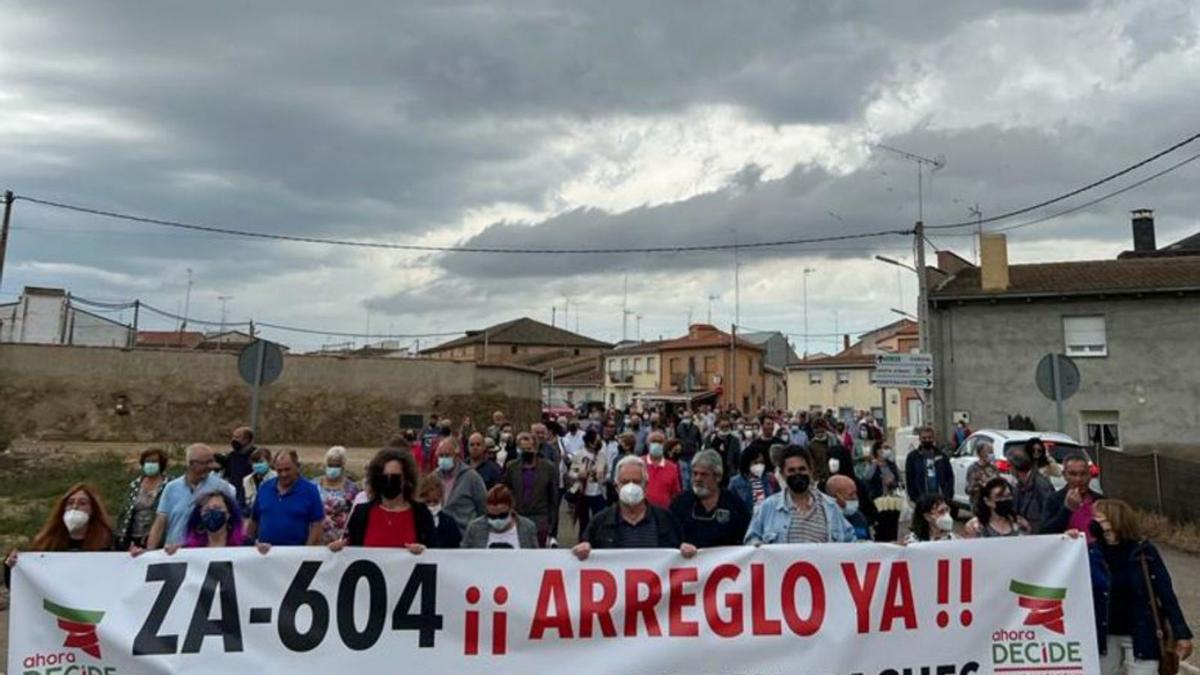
x: 555, y: 409
x: 1003, y: 442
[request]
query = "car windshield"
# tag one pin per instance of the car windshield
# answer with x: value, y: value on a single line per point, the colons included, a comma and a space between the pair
x: 1057, y: 450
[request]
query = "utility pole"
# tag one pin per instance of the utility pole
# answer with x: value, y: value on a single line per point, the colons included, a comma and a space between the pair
x: 737, y: 282
x: 554, y: 315
x: 923, y: 313
x: 639, y: 327
x: 224, y: 299
x: 711, y: 297
x: 8, y: 203
x: 187, y: 303
x: 807, y: 271
x: 974, y: 210
x: 625, y: 311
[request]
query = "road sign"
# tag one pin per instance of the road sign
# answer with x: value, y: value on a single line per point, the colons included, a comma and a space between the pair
x: 903, y: 371
x: 259, y: 363
x: 1057, y: 378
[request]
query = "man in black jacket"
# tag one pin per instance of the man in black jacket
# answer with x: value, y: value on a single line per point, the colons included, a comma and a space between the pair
x: 927, y: 470
x: 1073, y: 506
x: 632, y: 522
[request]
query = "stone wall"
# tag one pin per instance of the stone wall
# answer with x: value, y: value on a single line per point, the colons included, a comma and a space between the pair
x: 53, y: 392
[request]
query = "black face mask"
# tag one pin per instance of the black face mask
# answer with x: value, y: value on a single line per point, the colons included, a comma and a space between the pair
x: 926, y: 445
x: 798, y: 483
x: 1097, y: 532
x: 393, y: 485
x: 1022, y: 464
x: 236, y: 445
x: 527, y: 454
x: 1005, y: 508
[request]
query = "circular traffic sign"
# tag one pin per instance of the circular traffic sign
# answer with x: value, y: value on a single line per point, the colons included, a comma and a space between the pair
x: 264, y: 353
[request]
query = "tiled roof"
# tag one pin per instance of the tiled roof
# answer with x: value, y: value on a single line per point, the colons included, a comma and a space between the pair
x: 1183, y: 247
x: 1137, y: 275
x: 847, y: 359
x: 710, y: 337
x: 523, y: 331
x: 638, y: 348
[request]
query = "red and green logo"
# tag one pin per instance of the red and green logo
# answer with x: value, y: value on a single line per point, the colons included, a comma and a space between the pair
x: 80, y: 625
x: 1045, y: 605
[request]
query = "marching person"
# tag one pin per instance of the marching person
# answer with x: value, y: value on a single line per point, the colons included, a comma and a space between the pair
x: 691, y: 438
x: 1072, y: 507
x: 995, y: 513
x: 260, y: 470
x: 632, y: 522
x: 463, y: 490
x: 728, y: 446
x: 178, y: 497
x: 664, y: 482
x: 216, y: 521
x: 238, y: 461
x: 981, y: 472
x: 78, y: 522
x: 337, y: 494
x: 708, y: 515
x: 141, y: 506
x: 432, y: 493
x: 755, y: 480
x: 801, y: 513
x: 844, y: 490
x: 483, y: 462
x: 1043, y: 461
x: 534, y: 484
x: 883, y: 480
x: 931, y: 520
x: 501, y: 527
x: 586, y: 479
x: 1032, y: 491
x: 393, y: 518
x: 288, y: 509
x: 927, y: 470
x: 1135, y: 602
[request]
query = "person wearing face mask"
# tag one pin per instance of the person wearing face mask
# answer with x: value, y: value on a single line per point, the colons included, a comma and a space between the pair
x: 619, y: 447
x: 927, y: 470
x: 287, y: 510
x: 573, y: 441
x: 78, y: 522
x: 823, y: 440
x: 500, y: 527
x: 431, y: 493
x: 141, y: 506
x: 463, y: 490
x: 931, y: 520
x: 883, y: 482
x: 707, y: 515
x: 534, y: 484
x: 178, y: 497
x: 845, y: 491
x: 641, y: 432
x: 688, y: 433
x: 506, y: 446
x: 483, y: 460
x: 995, y: 513
x: 393, y: 518
x: 587, y: 479
x: 755, y: 480
x: 236, y: 465
x: 801, y: 514
x: 260, y: 470
x: 1133, y: 595
x: 215, y: 522
x: 664, y: 482
x: 728, y: 446
x: 1043, y: 461
x: 632, y: 522
x: 1032, y: 492
x: 337, y: 494
x: 981, y: 472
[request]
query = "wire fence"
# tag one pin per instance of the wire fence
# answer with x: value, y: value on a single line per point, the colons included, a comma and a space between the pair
x: 1153, y: 481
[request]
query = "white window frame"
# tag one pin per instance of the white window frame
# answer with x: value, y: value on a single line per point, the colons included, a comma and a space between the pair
x: 651, y: 364
x: 843, y: 377
x: 814, y: 377
x: 1085, y: 336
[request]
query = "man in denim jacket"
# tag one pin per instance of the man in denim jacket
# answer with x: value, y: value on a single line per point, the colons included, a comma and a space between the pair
x: 801, y: 514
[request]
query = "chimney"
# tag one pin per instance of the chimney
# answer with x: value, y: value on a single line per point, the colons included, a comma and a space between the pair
x: 1143, y: 231
x: 993, y: 261
x: 845, y: 342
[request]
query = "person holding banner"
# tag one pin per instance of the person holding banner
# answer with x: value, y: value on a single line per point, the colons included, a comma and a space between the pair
x: 175, y: 505
x: 215, y: 522
x: 709, y: 516
x: 632, y: 522
x: 1137, y: 612
x: 79, y: 522
x: 995, y: 514
x: 432, y: 493
x: 801, y: 514
x: 393, y: 518
x: 288, y: 509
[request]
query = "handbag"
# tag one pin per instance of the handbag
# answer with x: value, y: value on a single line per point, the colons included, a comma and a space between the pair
x: 1168, y: 658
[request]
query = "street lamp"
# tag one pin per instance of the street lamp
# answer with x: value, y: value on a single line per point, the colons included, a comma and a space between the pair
x: 907, y: 315
x: 807, y: 271
x: 897, y: 263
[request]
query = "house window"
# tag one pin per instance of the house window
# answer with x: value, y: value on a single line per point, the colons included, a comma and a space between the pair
x: 843, y: 377
x: 846, y: 414
x: 637, y: 365
x: 814, y: 409
x: 576, y: 352
x: 814, y: 377
x: 1101, y: 429
x: 675, y: 366
x: 710, y: 364
x: 651, y: 364
x: 1085, y: 336
x: 612, y: 365
x: 514, y: 349
x: 624, y: 365
x: 750, y: 366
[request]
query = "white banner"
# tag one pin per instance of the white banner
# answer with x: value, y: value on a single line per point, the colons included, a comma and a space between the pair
x: 1008, y: 606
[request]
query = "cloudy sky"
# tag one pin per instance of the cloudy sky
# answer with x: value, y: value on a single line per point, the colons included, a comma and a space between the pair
x: 572, y: 125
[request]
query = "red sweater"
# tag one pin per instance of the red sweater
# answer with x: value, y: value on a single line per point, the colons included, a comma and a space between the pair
x: 663, y: 485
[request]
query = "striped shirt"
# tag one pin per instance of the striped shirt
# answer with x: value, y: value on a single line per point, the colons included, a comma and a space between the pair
x: 807, y: 527
x: 642, y: 535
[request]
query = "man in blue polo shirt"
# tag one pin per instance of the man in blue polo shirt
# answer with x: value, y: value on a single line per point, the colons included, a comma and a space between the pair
x: 178, y: 497
x: 288, y: 510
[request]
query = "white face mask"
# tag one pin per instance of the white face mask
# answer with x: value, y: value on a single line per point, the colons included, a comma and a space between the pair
x: 757, y: 469
x: 75, y: 519
x: 834, y: 464
x: 631, y: 494
x: 435, y: 509
x: 501, y: 456
x: 945, y: 523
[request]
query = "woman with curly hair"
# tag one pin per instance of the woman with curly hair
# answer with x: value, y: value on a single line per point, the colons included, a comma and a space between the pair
x: 394, y: 517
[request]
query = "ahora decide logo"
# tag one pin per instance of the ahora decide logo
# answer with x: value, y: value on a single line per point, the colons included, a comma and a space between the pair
x: 80, y: 625
x: 1022, y: 650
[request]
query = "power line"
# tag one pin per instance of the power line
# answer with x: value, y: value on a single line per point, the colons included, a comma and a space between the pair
x: 1097, y: 200
x: 694, y: 248
x: 1068, y: 195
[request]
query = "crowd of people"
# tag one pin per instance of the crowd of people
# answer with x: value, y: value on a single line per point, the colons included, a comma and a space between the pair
x: 689, y: 480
